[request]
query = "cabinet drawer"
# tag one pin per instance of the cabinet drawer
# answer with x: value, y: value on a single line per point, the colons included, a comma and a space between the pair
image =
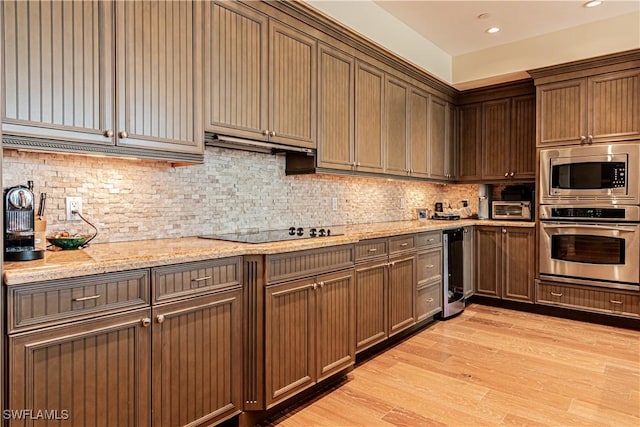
x: 599, y: 300
x: 369, y: 249
x: 430, y: 266
x: 401, y: 243
x: 57, y: 301
x: 430, y: 238
x: 429, y: 301
x: 310, y: 262
x: 195, y: 278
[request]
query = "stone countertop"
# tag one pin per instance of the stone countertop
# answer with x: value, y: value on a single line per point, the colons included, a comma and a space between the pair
x: 110, y: 257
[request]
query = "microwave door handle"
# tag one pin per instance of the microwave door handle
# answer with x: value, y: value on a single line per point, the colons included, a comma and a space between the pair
x: 599, y: 227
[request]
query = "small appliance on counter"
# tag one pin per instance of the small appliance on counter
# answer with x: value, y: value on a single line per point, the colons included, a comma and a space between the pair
x: 19, y: 224
x: 516, y: 204
x: 483, y: 207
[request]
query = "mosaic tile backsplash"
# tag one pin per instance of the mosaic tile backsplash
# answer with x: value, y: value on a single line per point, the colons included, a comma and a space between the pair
x: 232, y: 190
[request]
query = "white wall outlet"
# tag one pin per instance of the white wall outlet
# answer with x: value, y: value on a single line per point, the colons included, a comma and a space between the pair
x: 73, y: 204
x: 401, y: 202
x: 334, y: 203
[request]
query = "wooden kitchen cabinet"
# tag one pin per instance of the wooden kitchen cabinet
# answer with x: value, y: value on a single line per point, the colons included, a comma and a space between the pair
x: 369, y: 118
x: 470, y: 142
x: 419, y: 133
x: 588, y: 103
x: 396, y: 115
x: 440, y: 154
x: 197, y: 359
x: 428, y: 275
x: 468, y: 261
x: 309, y: 332
x: 135, y: 93
x: 97, y: 370
x: 260, y: 76
x: 336, y: 104
x: 496, y: 139
x: 504, y: 262
x: 402, y: 287
x: 371, y: 304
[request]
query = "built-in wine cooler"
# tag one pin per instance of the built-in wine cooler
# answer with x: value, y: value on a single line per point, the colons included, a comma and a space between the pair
x: 453, y: 292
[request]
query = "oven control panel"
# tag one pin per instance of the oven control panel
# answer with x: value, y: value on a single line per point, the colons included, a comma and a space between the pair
x: 584, y: 213
x: 619, y: 178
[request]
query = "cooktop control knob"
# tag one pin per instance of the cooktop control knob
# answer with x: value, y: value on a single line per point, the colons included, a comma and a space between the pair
x: 300, y: 231
x: 321, y: 232
x: 312, y: 232
x: 292, y: 231
x: 328, y: 232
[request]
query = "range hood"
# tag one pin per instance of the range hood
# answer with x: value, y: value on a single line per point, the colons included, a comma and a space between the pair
x: 232, y: 142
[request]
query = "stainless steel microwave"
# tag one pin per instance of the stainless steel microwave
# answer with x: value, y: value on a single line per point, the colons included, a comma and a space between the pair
x: 515, y: 210
x: 607, y: 173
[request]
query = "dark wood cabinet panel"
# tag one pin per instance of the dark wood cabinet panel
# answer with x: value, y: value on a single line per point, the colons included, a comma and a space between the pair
x: 468, y: 274
x: 369, y: 118
x: 561, y: 117
x: 488, y: 261
x: 429, y: 267
x: 470, y: 142
x: 418, y: 133
x: 336, y: 78
x: 522, y: 153
x: 236, y: 70
x: 197, y: 370
x: 402, y: 285
x: 496, y: 139
x: 371, y: 303
x: 438, y: 143
x: 396, y: 111
x: 518, y: 247
x: 587, y: 298
x: 97, y: 370
x: 428, y: 301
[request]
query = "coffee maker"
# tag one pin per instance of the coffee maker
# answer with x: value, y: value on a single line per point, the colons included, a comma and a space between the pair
x: 19, y: 218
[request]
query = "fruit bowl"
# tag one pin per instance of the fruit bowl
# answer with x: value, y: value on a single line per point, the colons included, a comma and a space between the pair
x: 70, y: 242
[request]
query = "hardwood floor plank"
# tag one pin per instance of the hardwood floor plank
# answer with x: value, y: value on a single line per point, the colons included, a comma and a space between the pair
x: 491, y: 366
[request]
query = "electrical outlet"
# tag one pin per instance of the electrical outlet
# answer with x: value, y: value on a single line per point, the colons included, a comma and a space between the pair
x: 334, y: 203
x: 401, y: 203
x: 73, y: 204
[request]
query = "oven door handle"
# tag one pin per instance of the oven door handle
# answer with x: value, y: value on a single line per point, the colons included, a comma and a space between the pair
x: 598, y: 227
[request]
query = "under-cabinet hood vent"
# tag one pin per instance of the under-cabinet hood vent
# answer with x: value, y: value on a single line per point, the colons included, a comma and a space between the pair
x: 216, y: 140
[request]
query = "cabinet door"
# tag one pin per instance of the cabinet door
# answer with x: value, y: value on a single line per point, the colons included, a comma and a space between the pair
x: 496, y: 139
x: 335, y: 326
x: 418, y: 133
x: 468, y: 259
x: 197, y: 372
x: 429, y: 267
x: 336, y: 78
x: 235, y: 70
x: 95, y: 370
x: 614, y: 106
x: 452, y: 138
x: 470, y: 142
x: 523, y: 137
x: 428, y: 301
x: 396, y: 95
x: 158, y: 69
x: 402, y: 289
x: 518, y: 251
x: 58, y: 81
x: 561, y: 112
x: 290, y: 354
x: 438, y: 143
x: 292, y: 86
x: 371, y: 303
x: 369, y: 118
x: 488, y: 261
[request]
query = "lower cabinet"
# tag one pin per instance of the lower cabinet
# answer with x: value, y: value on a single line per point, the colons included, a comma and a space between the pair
x: 504, y: 262
x: 371, y: 304
x: 402, y: 288
x: 309, y: 332
x: 468, y: 261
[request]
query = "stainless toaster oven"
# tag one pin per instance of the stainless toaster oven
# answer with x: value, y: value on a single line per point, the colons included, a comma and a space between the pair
x: 515, y: 210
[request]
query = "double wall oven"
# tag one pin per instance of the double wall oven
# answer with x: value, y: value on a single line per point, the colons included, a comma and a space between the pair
x: 590, y: 215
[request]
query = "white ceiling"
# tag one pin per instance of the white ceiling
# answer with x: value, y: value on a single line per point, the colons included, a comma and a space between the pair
x: 454, y: 26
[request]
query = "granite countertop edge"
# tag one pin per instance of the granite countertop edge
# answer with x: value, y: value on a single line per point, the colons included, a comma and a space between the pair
x: 120, y: 256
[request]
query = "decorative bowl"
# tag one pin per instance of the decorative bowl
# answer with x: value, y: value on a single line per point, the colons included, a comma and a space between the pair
x: 71, y: 242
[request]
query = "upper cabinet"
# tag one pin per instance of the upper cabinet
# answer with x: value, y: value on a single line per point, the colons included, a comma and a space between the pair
x: 396, y: 111
x: 419, y: 133
x: 497, y: 134
x: 369, y: 118
x: 590, y: 101
x: 121, y: 83
x: 440, y: 140
x: 260, y: 77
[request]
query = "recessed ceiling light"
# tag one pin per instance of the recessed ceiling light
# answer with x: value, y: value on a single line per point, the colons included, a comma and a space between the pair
x: 592, y: 3
x: 492, y: 30
x: 484, y: 16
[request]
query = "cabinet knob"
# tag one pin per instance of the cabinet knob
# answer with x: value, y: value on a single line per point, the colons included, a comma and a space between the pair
x: 583, y: 139
x: 321, y: 284
x: 504, y: 231
x: 265, y: 132
x: 160, y: 318
x: 272, y: 133
x: 108, y: 133
x: 429, y: 300
x: 123, y: 134
x: 590, y: 139
x: 146, y: 322
x: 506, y: 174
x: 512, y: 174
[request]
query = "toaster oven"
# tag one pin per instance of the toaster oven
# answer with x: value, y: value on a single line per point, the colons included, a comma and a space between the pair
x: 511, y: 210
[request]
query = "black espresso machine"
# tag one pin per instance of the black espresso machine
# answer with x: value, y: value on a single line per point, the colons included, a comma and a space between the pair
x: 19, y: 222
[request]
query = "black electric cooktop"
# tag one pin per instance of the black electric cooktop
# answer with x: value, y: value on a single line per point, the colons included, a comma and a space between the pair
x: 267, y: 236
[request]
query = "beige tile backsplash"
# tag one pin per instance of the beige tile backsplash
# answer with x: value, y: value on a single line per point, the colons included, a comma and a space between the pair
x: 232, y: 190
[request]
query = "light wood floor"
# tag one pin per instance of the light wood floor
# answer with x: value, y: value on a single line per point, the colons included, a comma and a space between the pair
x: 490, y: 366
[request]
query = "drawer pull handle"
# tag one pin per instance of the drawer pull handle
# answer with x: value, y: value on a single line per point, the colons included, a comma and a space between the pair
x: 613, y: 301
x: 373, y: 250
x: 87, y: 298
x: 201, y: 279
x: 431, y: 239
x: 556, y: 295
x: 404, y: 244
x: 429, y: 299
x: 146, y: 322
x: 428, y: 266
